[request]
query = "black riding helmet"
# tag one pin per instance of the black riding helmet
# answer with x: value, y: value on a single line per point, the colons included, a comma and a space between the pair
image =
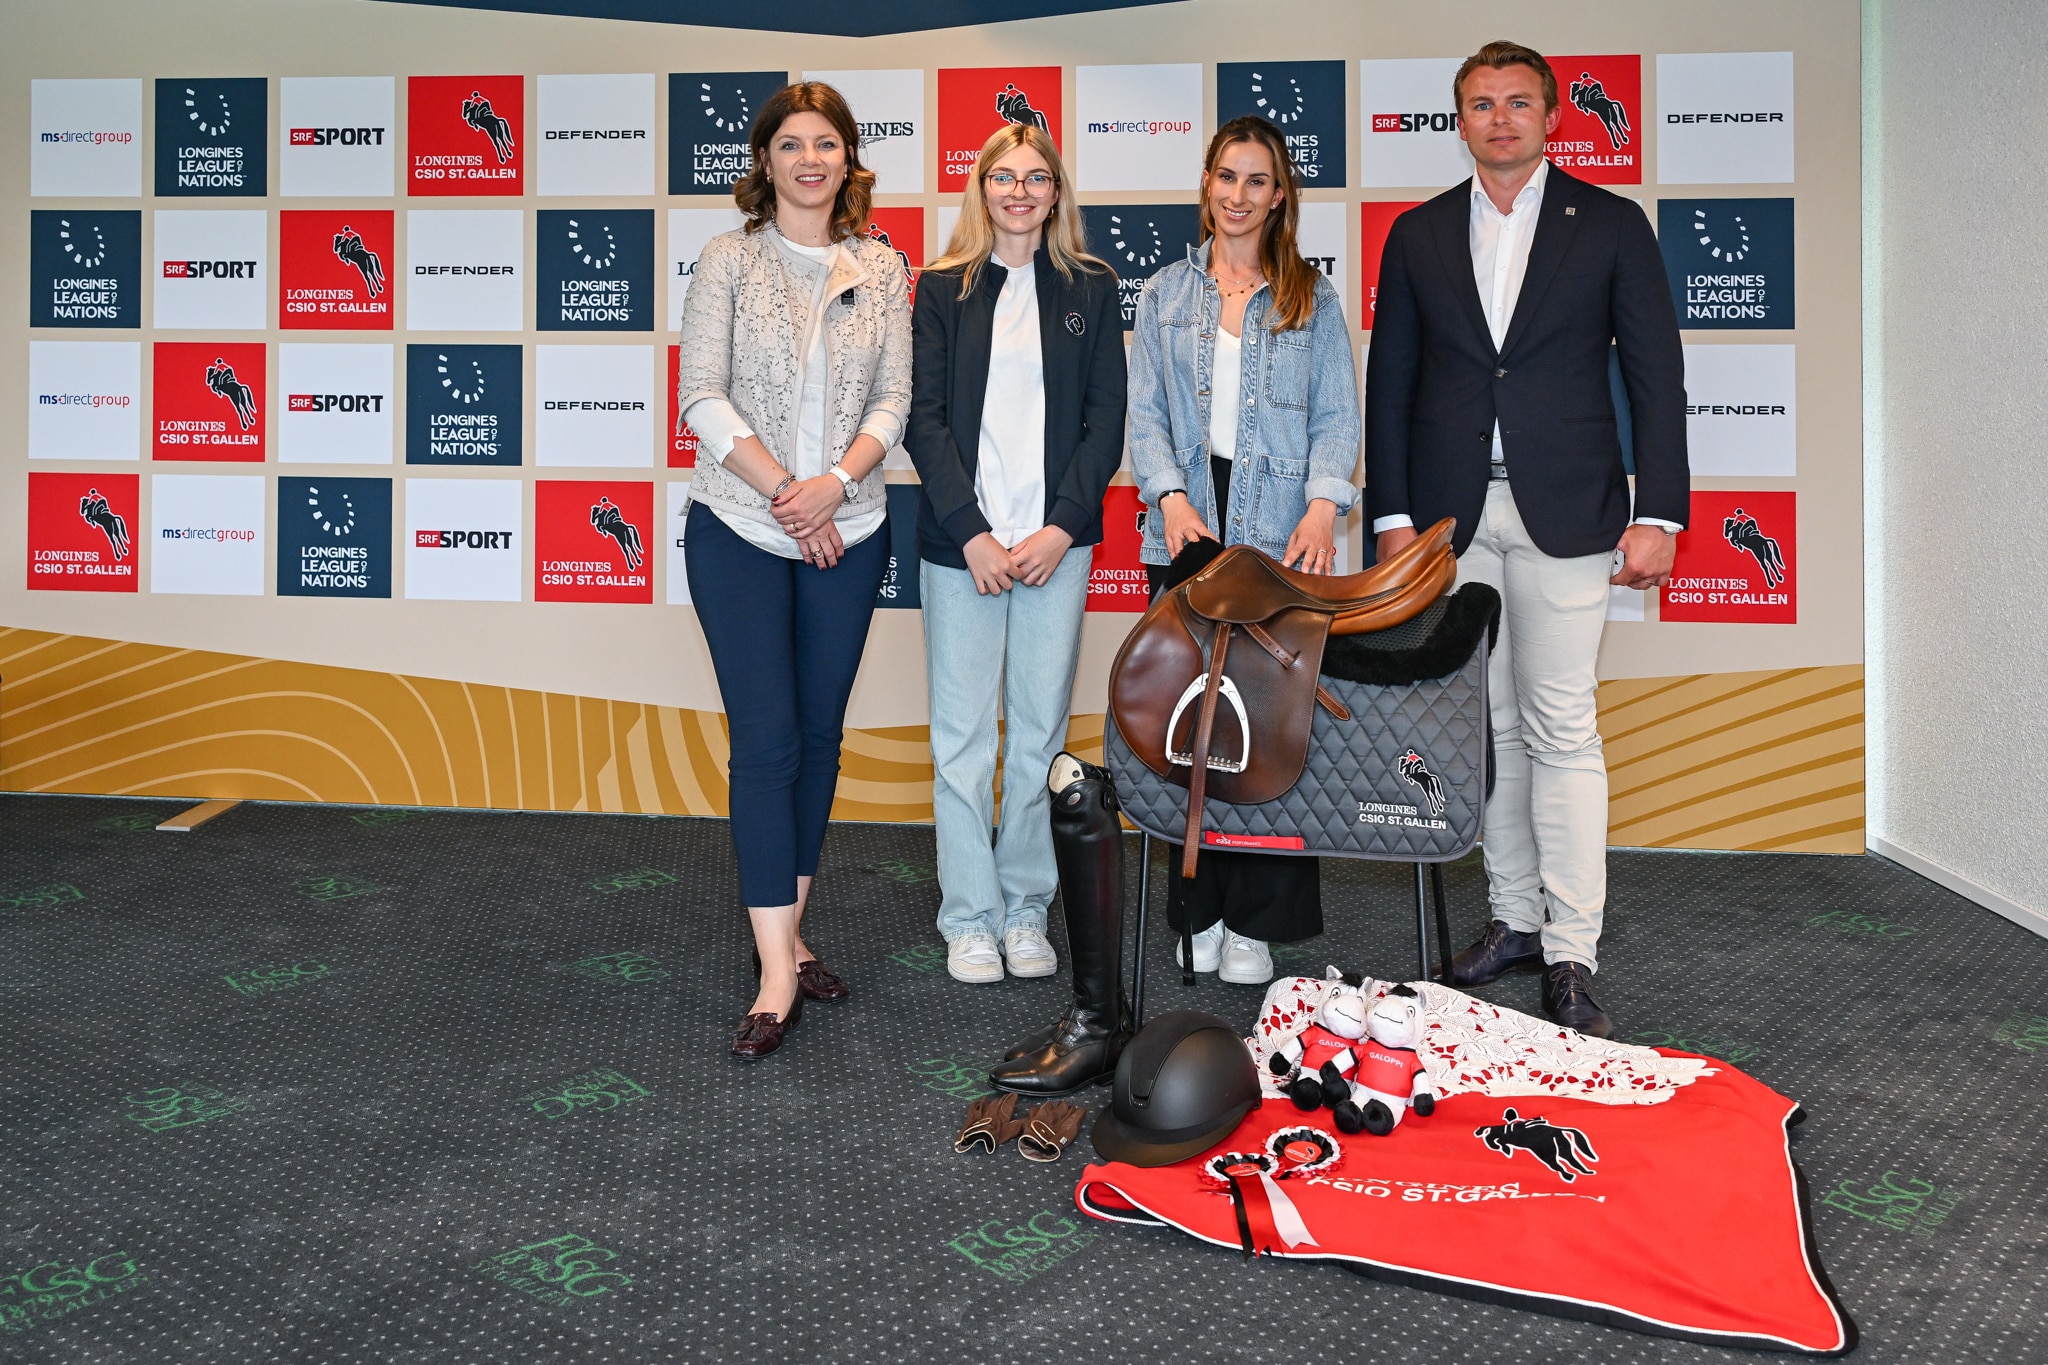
x: 1182, y: 1084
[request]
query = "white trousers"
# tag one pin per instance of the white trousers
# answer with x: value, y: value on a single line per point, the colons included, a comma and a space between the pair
x: 1546, y: 826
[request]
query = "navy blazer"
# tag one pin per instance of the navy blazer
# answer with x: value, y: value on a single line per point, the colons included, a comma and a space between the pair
x: 1435, y: 385
x: 1081, y: 340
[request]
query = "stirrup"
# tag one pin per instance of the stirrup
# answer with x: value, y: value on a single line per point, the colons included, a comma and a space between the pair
x: 1228, y: 691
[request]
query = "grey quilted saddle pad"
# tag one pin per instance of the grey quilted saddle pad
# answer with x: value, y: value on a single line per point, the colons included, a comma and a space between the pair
x: 1403, y: 780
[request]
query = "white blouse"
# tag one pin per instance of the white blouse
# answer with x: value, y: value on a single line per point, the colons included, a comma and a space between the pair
x: 1009, y: 470
x: 1226, y: 383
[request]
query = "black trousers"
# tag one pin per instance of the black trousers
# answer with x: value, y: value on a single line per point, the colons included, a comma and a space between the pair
x: 1275, y: 897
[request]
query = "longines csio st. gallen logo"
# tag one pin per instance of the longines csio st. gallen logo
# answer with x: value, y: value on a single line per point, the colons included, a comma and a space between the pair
x: 208, y: 400
x: 591, y: 542
x: 975, y: 101
x: 333, y: 269
x: 465, y: 135
x: 82, y: 530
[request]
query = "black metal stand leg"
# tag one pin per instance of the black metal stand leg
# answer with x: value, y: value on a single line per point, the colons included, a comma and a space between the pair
x: 1443, y: 930
x: 1421, y: 928
x: 1144, y: 912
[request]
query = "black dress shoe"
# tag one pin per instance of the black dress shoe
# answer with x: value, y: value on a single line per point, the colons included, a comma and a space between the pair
x: 1500, y: 949
x: 1568, y: 998
x: 760, y: 1034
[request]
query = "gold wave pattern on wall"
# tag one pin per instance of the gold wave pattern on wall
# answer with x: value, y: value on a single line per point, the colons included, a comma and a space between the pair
x: 1733, y: 760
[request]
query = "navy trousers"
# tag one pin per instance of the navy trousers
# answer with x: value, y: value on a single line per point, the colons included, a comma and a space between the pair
x: 786, y: 642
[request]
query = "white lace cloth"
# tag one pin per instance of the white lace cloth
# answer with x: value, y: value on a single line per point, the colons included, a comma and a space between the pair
x: 1471, y: 1046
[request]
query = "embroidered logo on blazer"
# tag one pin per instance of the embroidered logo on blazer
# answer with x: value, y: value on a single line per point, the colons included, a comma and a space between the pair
x: 1076, y: 324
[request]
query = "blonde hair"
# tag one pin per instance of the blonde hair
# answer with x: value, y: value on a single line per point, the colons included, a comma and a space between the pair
x: 974, y: 235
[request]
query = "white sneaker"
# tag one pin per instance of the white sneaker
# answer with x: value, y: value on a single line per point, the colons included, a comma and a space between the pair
x: 1245, y: 961
x: 1208, y: 948
x: 973, y: 958
x: 1028, y: 954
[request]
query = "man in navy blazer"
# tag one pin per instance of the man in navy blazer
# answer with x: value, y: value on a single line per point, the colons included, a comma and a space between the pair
x: 1488, y: 400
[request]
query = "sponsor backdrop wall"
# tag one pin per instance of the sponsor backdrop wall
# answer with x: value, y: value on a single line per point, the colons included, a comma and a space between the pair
x: 337, y: 429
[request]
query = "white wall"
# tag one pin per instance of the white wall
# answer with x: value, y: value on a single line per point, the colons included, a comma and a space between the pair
x: 1955, y: 125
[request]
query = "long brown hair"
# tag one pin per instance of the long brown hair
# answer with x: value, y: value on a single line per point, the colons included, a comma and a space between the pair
x: 974, y: 235
x: 1293, y: 279
x: 755, y: 194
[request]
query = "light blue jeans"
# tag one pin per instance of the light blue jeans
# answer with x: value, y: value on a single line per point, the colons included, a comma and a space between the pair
x: 1019, y: 648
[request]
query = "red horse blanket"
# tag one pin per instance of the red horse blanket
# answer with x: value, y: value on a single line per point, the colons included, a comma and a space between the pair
x: 1686, y: 1218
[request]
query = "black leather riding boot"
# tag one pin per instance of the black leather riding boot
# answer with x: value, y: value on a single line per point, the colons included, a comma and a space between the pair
x: 1087, y: 840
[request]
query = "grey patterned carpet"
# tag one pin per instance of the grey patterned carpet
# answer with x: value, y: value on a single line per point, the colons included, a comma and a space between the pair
x: 323, y: 1084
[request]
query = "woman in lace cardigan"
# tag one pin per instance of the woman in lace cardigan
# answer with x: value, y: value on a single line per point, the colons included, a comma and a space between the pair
x: 795, y: 375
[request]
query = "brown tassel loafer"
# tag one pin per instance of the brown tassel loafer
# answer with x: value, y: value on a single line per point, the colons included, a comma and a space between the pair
x: 814, y: 979
x: 760, y: 1034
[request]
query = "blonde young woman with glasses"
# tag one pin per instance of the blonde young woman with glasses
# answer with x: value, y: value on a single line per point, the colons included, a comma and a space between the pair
x: 1016, y: 427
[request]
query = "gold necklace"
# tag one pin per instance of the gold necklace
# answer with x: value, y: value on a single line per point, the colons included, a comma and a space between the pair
x: 1236, y: 287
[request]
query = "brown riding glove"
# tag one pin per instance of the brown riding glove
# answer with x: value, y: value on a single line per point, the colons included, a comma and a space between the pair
x: 1052, y: 1126
x: 990, y: 1123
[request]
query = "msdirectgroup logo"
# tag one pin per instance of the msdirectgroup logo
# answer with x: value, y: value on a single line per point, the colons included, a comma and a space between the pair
x: 85, y: 268
x: 206, y: 534
x: 465, y: 135
x: 975, y: 101
x: 1138, y: 127
x: 1304, y: 100
x: 85, y: 400
x: 463, y: 405
x: 1140, y: 240
x: 211, y: 268
x: 1729, y: 261
x: 335, y: 405
x: 1724, y: 118
x: 85, y: 138
x: 1737, y: 560
x: 207, y: 400
x: 82, y: 530
x: 595, y: 406
x: 333, y: 274
x: 709, y: 116
x: 1599, y: 137
x: 592, y: 540
x: 594, y: 270
x: 213, y: 137
x: 340, y: 135
x: 333, y: 537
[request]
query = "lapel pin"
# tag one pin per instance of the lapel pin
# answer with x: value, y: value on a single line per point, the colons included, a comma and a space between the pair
x: 1571, y: 213
x: 1076, y: 324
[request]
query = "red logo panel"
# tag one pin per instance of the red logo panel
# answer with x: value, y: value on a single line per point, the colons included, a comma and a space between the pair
x: 975, y: 101
x: 82, y: 530
x: 1737, y: 561
x: 902, y: 230
x: 1116, y: 580
x: 682, y: 442
x: 1600, y: 137
x: 334, y: 269
x: 465, y: 134
x: 208, y: 400
x: 1376, y: 220
x: 593, y: 540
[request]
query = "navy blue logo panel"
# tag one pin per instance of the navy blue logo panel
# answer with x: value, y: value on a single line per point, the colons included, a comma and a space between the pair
x: 1140, y: 240
x: 463, y: 405
x: 85, y: 268
x: 1304, y: 100
x: 213, y: 137
x: 1729, y: 261
x: 594, y: 270
x: 709, y: 116
x: 333, y: 537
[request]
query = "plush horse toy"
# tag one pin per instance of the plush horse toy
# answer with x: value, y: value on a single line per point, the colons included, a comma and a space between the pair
x: 1316, y: 1064
x: 1388, y: 1078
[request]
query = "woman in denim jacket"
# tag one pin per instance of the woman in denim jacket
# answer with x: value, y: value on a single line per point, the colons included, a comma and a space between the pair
x: 1244, y: 419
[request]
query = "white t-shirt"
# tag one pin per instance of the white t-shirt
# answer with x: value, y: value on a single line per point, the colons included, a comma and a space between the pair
x: 718, y: 424
x: 1226, y: 382
x: 1009, y: 470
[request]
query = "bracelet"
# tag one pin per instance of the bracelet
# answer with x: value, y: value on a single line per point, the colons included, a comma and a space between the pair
x: 787, y: 480
x: 852, y: 485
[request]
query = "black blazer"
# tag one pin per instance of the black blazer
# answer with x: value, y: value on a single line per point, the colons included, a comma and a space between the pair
x: 1435, y: 385
x: 1081, y: 337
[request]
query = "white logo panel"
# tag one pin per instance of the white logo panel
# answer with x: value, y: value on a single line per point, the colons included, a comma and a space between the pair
x: 339, y: 135
x: 889, y: 107
x: 465, y: 270
x: 1407, y: 123
x: 334, y: 403
x: 1138, y: 127
x: 596, y: 135
x: 1724, y: 118
x: 85, y: 400
x: 206, y: 534
x: 678, y: 568
x: 85, y: 138
x: 689, y: 232
x: 596, y: 406
x: 1322, y: 238
x: 463, y: 539
x: 1742, y: 410
x: 212, y: 268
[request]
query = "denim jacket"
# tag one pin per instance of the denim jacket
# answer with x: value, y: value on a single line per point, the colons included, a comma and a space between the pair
x: 1298, y: 428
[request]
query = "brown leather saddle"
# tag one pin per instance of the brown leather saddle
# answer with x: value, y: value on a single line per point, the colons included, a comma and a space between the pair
x: 1216, y: 686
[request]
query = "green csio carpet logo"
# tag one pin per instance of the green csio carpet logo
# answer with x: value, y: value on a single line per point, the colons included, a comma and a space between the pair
x: 1896, y: 1201
x: 42, y: 898
x: 1706, y: 1044
x: 371, y: 819
x: 53, y: 1290
x: 559, y: 1271
x: 597, y: 1091
x: 173, y: 1106
x: 906, y: 874
x: 639, y: 879
x: 922, y: 957
x: 332, y: 888
x: 1021, y: 1253
x: 2028, y: 1032
x: 620, y: 969
x: 271, y: 977
x: 961, y: 1077
x: 128, y: 824
x: 1868, y: 925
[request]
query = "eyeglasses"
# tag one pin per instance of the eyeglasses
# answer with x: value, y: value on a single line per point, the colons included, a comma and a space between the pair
x: 1037, y: 184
